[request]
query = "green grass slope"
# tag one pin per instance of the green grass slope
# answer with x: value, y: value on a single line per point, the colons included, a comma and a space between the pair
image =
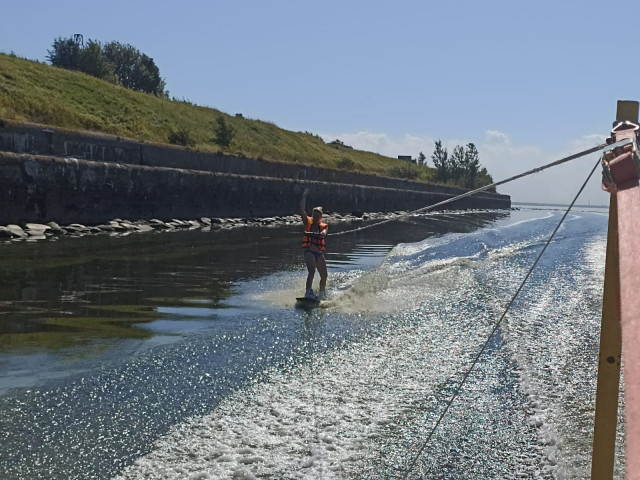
x: 38, y: 93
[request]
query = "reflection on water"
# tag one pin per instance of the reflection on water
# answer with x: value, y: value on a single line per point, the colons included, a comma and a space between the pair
x: 80, y: 317
x: 77, y: 291
x: 355, y: 395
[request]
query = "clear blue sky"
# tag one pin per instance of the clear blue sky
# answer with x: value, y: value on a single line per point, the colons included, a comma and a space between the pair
x: 527, y: 82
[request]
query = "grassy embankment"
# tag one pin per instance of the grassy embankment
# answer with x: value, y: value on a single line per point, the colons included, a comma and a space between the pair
x: 38, y: 93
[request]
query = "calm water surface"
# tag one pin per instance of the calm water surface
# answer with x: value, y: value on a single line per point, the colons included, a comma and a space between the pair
x: 180, y: 355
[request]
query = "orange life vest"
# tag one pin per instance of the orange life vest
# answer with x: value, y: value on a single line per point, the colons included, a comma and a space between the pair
x: 309, y: 240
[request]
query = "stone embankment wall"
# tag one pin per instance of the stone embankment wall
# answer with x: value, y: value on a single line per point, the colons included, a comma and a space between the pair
x: 55, y: 175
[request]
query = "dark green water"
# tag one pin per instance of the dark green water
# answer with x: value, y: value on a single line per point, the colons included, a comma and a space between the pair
x: 69, y: 297
x: 181, y: 355
x: 107, y: 341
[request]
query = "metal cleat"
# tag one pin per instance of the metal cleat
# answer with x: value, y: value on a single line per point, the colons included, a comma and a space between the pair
x: 625, y: 147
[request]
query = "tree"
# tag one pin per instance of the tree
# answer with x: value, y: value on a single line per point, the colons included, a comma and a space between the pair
x: 462, y: 167
x: 456, y: 164
x: 224, y: 132
x: 123, y: 58
x: 181, y: 136
x: 339, y: 143
x: 483, y: 179
x: 92, y: 62
x: 471, y: 165
x: 65, y: 53
x: 148, y: 77
x: 113, y: 62
x: 134, y: 70
x: 440, y: 159
x: 422, y: 159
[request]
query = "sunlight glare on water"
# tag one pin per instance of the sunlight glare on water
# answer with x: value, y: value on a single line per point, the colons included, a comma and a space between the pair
x: 196, y: 365
x: 363, y: 410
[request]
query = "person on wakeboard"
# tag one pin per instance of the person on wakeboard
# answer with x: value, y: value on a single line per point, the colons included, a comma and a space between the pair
x: 315, y: 231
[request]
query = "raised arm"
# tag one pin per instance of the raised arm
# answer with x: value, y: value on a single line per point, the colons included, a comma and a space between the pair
x: 303, y: 202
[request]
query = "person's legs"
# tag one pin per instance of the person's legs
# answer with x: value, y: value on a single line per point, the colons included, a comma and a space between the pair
x: 310, y: 260
x: 321, y: 265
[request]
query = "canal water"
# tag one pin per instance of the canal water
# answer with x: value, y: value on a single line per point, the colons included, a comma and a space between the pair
x: 181, y: 355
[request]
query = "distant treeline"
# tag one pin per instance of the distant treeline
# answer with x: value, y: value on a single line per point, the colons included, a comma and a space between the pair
x: 462, y: 167
x: 114, y: 62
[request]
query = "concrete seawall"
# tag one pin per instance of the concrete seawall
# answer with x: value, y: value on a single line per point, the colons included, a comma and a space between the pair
x: 69, y: 177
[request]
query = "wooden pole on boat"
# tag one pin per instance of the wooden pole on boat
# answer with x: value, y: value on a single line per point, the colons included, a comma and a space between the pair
x: 604, y: 432
x: 621, y: 177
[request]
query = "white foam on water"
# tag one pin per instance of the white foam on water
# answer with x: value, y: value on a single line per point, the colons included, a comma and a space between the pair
x: 554, y: 343
x: 320, y: 420
x: 329, y: 417
x: 324, y: 419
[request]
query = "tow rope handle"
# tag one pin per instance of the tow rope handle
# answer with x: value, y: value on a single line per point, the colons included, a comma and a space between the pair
x: 620, y: 332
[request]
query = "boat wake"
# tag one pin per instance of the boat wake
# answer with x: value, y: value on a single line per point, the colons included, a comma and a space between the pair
x: 363, y: 408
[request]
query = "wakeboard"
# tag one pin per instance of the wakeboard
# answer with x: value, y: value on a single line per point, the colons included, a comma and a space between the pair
x: 307, y: 303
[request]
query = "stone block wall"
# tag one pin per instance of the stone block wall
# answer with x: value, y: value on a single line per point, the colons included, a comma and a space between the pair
x: 70, y: 177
